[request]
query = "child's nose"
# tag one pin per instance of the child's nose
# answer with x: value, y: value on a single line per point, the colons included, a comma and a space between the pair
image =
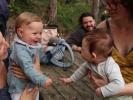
x: 39, y: 36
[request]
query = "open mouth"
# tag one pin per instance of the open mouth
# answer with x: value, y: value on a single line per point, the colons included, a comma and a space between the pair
x: 35, y: 42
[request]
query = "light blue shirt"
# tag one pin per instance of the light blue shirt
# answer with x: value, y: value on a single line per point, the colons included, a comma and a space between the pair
x: 23, y: 55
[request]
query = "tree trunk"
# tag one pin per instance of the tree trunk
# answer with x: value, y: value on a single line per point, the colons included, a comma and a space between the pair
x: 53, y: 12
x: 95, y: 9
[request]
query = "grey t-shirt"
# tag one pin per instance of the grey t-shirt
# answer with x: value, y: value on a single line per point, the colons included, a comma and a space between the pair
x: 108, y: 69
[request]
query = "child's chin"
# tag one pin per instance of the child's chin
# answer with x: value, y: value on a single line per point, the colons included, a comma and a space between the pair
x: 35, y: 44
x: 5, y: 56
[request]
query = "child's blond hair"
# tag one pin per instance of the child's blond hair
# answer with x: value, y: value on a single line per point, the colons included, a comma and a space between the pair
x: 26, y: 18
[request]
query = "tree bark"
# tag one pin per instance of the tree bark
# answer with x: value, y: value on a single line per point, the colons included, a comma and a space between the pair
x: 53, y: 12
x: 95, y: 9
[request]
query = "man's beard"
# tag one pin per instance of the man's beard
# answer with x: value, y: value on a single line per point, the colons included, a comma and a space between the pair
x: 88, y: 29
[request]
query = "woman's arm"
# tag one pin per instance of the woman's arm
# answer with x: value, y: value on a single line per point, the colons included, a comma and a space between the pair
x: 17, y: 71
x: 102, y: 25
x: 127, y: 90
x: 115, y: 81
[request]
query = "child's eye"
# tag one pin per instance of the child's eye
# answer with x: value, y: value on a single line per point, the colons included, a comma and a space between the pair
x: 34, y: 33
x: 40, y: 33
x: 37, y: 33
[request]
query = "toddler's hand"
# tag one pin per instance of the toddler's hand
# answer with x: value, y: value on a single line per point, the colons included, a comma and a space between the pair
x: 48, y: 83
x: 66, y: 80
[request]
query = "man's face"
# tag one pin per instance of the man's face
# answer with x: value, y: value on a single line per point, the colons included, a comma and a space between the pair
x: 88, y: 23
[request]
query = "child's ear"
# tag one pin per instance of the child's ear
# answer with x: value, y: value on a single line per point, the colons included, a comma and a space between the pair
x: 93, y: 54
x: 20, y: 32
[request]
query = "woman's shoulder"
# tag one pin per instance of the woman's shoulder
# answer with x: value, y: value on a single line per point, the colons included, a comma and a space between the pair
x: 103, y: 24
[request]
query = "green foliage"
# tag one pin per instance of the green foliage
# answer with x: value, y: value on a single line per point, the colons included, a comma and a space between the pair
x: 26, y: 1
x: 68, y: 14
x: 14, y: 9
x: 44, y: 2
x: 39, y: 7
x: 18, y: 6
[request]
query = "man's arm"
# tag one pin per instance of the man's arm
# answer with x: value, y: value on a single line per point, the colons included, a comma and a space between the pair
x: 76, y: 37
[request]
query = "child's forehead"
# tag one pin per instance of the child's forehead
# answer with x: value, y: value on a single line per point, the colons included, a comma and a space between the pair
x: 32, y: 26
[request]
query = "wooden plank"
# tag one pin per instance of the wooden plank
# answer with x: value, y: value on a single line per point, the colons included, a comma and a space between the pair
x: 79, y: 86
x: 64, y: 91
x: 81, y: 90
x: 50, y: 93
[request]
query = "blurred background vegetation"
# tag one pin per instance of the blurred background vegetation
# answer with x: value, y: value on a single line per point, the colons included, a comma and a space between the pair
x: 68, y: 14
x: 40, y: 7
x: 68, y: 11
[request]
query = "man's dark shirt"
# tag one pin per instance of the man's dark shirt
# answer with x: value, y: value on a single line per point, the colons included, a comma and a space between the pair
x: 4, y: 9
x: 76, y: 37
x: 4, y: 14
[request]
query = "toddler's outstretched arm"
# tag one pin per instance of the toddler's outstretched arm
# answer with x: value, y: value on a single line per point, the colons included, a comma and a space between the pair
x: 66, y: 80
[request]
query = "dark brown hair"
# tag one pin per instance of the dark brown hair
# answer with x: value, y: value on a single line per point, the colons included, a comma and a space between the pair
x: 86, y: 14
x: 98, y: 41
x: 128, y: 4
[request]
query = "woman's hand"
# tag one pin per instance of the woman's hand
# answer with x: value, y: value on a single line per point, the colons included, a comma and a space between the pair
x: 29, y: 94
x: 97, y: 81
x: 18, y: 72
